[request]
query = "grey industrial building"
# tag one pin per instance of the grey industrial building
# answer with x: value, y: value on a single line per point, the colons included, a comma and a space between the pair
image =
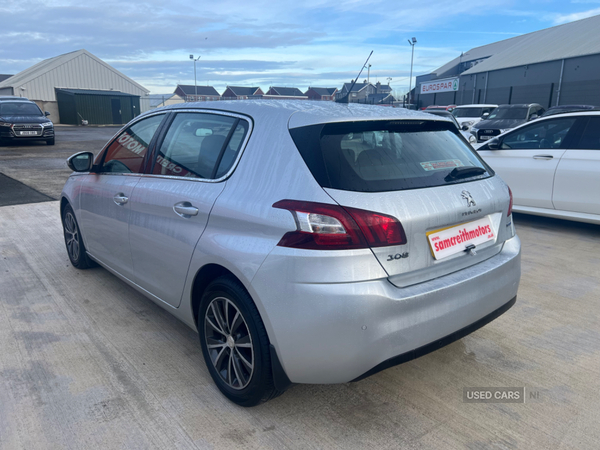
x: 555, y: 66
x: 80, y: 85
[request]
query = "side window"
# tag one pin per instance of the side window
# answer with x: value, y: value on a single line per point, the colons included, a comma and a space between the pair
x: 127, y: 152
x: 546, y: 134
x: 590, y: 138
x: 195, y: 143
x: 233, y: 148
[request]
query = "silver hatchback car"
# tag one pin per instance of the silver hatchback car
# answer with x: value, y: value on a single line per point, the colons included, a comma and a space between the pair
x: 306, y: 242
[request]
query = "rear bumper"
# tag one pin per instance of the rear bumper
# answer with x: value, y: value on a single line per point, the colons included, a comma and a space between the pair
x: 339, y: 332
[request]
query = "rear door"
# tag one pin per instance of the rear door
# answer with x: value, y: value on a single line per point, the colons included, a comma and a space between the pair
x: 528, y: 157
x: 105, y: 195
x: 170, y: 205
x: 577, y: 181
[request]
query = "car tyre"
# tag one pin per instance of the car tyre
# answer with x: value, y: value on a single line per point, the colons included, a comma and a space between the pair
x: 50, y: 141
x: 235, y: 344
x: 73, y: 241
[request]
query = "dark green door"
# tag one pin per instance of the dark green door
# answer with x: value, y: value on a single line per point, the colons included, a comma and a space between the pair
x: 116, y: 110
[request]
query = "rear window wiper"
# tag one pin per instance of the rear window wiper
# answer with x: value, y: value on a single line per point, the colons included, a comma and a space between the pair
x: 464, y: 172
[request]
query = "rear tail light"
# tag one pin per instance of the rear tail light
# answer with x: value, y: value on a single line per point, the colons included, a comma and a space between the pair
x: 321, y: 226
x: 510, y: 203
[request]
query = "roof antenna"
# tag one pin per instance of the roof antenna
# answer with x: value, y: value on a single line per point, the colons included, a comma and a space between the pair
x: 345, y: 98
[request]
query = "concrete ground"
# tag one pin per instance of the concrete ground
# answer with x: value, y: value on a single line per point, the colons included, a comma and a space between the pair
x: 87, y: 362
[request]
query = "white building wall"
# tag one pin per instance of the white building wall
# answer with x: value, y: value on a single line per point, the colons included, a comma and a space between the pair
x: 81, y: 72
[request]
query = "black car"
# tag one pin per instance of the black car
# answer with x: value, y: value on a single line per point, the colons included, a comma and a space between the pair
x: 23, y: 120
x: 503, y: 118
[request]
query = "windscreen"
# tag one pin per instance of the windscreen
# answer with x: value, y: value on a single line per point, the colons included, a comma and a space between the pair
x: 19, y: 109
x: 385, y: 155
x: 468, y: 112
x: 508, y: 113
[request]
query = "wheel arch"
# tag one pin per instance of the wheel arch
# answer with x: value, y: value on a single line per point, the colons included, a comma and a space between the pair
x: 205, y: 275
x: 210, y: 272
x: 63, y: 203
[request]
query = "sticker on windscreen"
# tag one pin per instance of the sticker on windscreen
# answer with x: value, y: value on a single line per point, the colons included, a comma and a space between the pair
x: 441, y: 164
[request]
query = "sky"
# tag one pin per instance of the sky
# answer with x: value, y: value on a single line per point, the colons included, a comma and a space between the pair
x: 321, y: 43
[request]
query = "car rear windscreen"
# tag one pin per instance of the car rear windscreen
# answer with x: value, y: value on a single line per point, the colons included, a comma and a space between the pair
x: 377, y: 156
x: 468, y: 112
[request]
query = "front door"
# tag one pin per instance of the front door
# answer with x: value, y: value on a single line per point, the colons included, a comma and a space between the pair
x: 170, y: 207
x: 105, y: 196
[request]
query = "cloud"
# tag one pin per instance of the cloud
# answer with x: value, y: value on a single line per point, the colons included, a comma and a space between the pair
x: 564, y: 18
x: 309, y: 43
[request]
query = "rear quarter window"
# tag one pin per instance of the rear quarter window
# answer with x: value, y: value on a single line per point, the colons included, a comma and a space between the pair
x: 384, y: 155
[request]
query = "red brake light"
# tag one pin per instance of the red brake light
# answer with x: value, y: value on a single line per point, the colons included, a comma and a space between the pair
x: 510, y: 204
x: 380, y: 230
x: 322, y: 226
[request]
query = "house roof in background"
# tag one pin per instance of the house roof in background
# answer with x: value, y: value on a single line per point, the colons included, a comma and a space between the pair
x: 322, y: 91
x: 202, y: 90
x: 287, y: 91
x: 242, y: 90
x: 357, y: 86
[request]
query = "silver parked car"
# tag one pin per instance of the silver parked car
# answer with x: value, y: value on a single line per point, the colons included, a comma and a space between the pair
x: 305, y: 242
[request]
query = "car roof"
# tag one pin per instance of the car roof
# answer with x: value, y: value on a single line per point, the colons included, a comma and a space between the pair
x: 13, y: 98
x: 298, y: 113
x: 520, y: 105
x: 439, y: 112
x: 582, y: 107
x: 477, y: 106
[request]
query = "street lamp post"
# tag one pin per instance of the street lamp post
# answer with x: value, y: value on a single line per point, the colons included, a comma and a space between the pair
x: 412, y: 43
x: 195, y: 84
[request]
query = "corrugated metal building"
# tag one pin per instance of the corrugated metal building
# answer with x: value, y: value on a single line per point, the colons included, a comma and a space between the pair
x: 76, y: 70
x: 96, y: 107
x: 555, y: 66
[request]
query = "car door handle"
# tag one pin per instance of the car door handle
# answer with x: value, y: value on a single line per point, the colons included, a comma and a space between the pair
x: 543, y: 157
x: 120, y: 198
x: 185, y: 209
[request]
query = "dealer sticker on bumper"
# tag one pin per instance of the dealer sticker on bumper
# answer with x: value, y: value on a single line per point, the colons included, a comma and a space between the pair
x: 449, y: 241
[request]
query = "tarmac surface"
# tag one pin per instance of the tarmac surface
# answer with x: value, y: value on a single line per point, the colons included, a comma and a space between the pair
x: 43, y: 167
x: 87, y: 362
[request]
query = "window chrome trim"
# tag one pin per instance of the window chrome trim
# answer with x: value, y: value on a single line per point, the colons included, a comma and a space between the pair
x: 248, y: 119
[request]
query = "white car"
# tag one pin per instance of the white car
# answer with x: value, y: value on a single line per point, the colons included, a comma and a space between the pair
x: 552, y: 165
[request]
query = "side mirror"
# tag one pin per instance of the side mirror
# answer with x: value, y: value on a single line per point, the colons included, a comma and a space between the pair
x: 81, y: 162
x: 46, y: 113
x: 465, y: 128
x: 494, y: 144
x: 485, y: 115
x: 533, y: 117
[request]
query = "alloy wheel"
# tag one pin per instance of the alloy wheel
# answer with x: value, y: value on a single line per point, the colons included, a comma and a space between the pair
x: 71, y: 236
x: 229, y: 343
